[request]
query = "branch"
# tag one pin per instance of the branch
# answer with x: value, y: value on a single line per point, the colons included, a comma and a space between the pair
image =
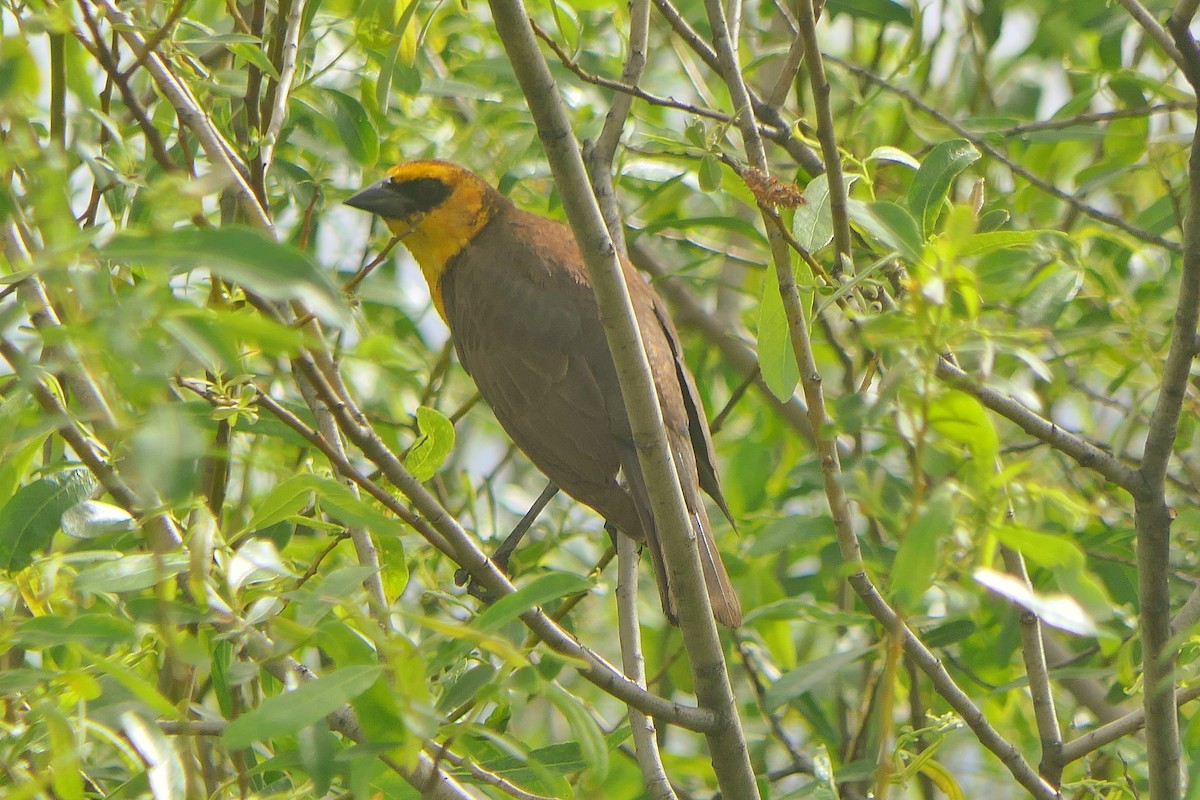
x: 689, y: 313
x: 1183, y: 15
x: 988, y: 736
x: 163, y: 532
x: 1156, y: 32
x: 838, y: 201
x: 435, y: 524
x: 1152, y: 516
x: 1091, y: 118
x: 1117, y: 729
x: 631, y: 73
x: 1082, y: 451
x: 645, y: 738
x: 672, y: 522
x: 364, y: 545
x: 769, y: 114
x: 1034, y: 653
x: 283, y: 89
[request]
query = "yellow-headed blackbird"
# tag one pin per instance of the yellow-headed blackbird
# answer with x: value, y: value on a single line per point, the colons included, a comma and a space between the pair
x: 515, y: 293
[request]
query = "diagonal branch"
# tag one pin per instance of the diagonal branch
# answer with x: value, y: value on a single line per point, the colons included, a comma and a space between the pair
x: 1082, y: 451
x: 435, y: 524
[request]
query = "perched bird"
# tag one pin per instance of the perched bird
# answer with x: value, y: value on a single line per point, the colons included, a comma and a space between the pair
x: 515, y: 293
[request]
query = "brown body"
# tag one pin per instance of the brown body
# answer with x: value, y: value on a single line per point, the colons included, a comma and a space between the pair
x: 525, y: 324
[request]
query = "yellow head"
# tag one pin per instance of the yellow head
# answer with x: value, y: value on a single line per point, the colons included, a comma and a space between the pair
x: 436, y: 208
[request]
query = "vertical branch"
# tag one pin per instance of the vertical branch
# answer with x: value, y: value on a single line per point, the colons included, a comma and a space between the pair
x: 726, y: 742
x: 599, y: 157
x: 1152, y: 515
x: 645, y: 738
x: 807, y: 20
x: 280, y: 92
x: 1034, y: 653
x: 58, y: 91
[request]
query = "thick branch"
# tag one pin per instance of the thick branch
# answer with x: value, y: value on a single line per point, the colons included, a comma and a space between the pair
x: 672, y: 521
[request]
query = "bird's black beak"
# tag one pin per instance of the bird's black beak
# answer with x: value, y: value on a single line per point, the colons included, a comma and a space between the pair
x: 380, y: 198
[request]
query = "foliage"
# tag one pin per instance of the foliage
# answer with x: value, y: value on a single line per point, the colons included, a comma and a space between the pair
x: 190, y: 601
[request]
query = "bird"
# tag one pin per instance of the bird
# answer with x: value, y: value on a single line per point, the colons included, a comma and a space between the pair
x: 513, y: 289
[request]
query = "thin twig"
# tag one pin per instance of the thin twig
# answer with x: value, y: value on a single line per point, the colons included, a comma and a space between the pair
x: 645, y: 738
x: 487, y: 777
x: 219, y: 151
x: 672, y: 520
x: 983, y: 145
x: 819, y: 85
x: 1090, y: 119
x: 1117, y: 729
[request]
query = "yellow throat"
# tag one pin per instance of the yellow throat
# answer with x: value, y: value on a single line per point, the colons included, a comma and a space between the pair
x: 438, y: 234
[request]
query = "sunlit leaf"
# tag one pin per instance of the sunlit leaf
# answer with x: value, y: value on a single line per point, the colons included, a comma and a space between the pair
x: 1057, y: 610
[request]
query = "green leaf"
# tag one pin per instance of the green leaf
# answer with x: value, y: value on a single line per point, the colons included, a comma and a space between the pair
x: 992, y: 220
x: 812, y: 224
x: 890, y: 224
x: 354, y: 128
x: 883, y: 11
x: 982, y: 243
x: 64, y: 753
x: 776, y: 358
x: 164, y: 768
x: 284, y: 501
x: 471, y: 683
x: 961, y: 419
x: 252, y: 53
x: 537, y: 592
x: 591, y: 740
x: 429, y: 452
x: 824, y: 786
x: 318, y: 748
x: 89, y: 630
x: 894, y: 155
x: 931, y: 185
x: 131, y: 573
x: 19, y: 72
x: 814, y: 674
x: 1049, y: 293
x: 239, y: 254
x: 295, y: 710
x: 135, y: 684
x: 721, y: 222
x: 29, y: 520
x: 709, y: 174
x: 917, y: 559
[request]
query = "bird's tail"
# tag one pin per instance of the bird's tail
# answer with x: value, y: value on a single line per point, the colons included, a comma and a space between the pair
x: 727, y: 609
